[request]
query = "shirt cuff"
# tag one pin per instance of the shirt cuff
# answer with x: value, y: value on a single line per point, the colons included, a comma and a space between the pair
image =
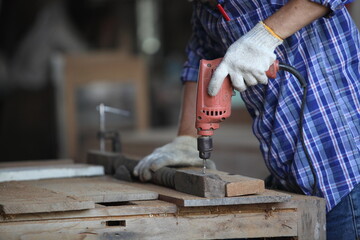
x: 334, y: 5
x: 189, y: 74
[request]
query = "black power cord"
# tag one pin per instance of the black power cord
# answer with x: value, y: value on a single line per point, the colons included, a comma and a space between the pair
x: 303, y: 84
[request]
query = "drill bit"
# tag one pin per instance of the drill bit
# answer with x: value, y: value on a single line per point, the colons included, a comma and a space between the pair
x: 204, y: 166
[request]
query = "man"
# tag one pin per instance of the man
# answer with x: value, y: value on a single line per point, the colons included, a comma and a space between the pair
x: 319, y: 39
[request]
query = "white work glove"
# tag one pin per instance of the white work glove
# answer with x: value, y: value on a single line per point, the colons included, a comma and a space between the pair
x: 182, y: 151
x: 247, y: 60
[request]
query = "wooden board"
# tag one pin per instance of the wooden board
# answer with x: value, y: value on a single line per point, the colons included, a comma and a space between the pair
x: 311, y: 215
x: 97, y: 189
x: 216, y: 183
x: 150, y: 207
x: 238, y: 185
x: 66, y: 194
x: 302, y: 217
x: 49, y: 171
x: 187, y: 200
x: 187, y: 180
x: 172, y: 226
x: 18, y: 197
x: 156, y: 222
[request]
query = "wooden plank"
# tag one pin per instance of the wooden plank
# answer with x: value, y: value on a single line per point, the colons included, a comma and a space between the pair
x: 187, y: 200
x: 254, y: 220
x: 171, y: 226
x: 18, y: 197
x: 188, y: 180
x: 151, y: 207
x: 238, y: 185
x: 311, y: 216
x: 196, y: 183
x: 97, y: 189
x: 47, y: 172
x: 216, y: 183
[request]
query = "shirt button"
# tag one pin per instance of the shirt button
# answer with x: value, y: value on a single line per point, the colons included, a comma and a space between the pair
x: 223, y: 40
x: 257, y: 113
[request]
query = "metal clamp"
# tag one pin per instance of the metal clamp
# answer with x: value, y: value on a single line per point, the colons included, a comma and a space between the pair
x: 104, y: 134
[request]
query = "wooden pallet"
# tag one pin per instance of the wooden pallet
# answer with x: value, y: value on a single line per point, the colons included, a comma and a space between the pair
x: 105, y: 208
x: 115, y: 217
x: 300, y: 218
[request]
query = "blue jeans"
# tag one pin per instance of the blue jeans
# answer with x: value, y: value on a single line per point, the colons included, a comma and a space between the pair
x: 343, y: 221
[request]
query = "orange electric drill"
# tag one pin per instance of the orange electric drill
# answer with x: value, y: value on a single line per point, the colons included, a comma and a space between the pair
x: 210, y: 111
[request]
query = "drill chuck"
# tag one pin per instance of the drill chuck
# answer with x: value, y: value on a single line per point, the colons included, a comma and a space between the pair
x: 205, y: 146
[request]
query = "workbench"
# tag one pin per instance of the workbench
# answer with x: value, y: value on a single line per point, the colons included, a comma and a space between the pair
x: 104, y: 208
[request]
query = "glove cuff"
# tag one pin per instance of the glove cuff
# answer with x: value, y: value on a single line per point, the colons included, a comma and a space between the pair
x: 261, y: 36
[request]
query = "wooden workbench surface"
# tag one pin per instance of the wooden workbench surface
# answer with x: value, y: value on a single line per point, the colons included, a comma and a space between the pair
x: 111, y: 209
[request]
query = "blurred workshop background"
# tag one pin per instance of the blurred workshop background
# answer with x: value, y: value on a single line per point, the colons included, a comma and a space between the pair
x: 60, y: 59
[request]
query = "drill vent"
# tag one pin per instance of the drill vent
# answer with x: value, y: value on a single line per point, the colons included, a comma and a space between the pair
x: 214, y: 113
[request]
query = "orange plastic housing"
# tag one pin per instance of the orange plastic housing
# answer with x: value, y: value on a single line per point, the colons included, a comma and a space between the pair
x: 210, y: 111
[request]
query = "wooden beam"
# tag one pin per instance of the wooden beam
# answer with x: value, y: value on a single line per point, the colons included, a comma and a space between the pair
x: 187, y: 200
x: 216, y: 183
x: 222, y: 224
x: 311, y: 216
x: 196, y: 183
x: 188, y: 180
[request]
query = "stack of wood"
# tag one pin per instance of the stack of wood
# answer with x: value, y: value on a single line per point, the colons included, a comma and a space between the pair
x: 101, y: 207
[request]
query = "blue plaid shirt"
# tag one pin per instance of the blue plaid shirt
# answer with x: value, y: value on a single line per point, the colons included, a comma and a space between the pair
x: 326, y: 53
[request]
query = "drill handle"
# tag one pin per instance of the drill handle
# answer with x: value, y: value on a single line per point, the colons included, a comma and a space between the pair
x: 273, y: 69
x: 270, y: 73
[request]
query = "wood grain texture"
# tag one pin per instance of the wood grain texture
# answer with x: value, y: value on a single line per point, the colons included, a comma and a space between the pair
x: 170, y: 226
x: 188, y: 180
x: 18, y: 197
x: 301, y: 217
x: 216, y: 183
x: 187, y: 200
x: 196, y: 183
x: 66, y: 194
x: 238, y: 185
x: 150, y: 207
x: 96, y: 189
x: 311, y: 216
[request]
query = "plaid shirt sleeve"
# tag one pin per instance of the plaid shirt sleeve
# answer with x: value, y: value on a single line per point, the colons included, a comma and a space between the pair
x: 333, y: 5
x: 190, y: 69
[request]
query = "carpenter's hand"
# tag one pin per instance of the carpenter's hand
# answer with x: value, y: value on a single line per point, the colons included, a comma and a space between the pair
x: 246, y: 60
x: 182, y: 151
